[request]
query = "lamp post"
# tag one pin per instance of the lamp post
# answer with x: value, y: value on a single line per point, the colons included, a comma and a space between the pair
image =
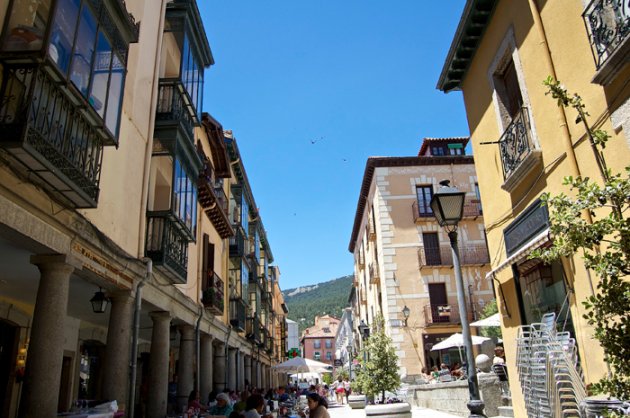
x: 448, y: 206
x: 406, y: 312
x: 349, y: 348
x: 364, y: 331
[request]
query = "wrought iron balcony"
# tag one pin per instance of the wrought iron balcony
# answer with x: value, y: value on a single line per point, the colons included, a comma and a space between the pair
x: 213, y: 200
x: 252, y: 330
x: 55, y: 139
x: 441, y: 314
x: 608, y: 25
x: 469, y: 254
x: 237, y: 313
x: 213, y: 297
x: 516, y: 143
x: 425, y: 215
x: 167, y: 244
x: 174, y: 109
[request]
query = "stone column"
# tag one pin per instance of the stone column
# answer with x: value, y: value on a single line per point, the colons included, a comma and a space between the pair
x: 158, y: 365
x: 219, y: 367
x: 40, y: 393
x: 248, y: 370
x: 117, y: 352
x: 231, y: 368
x: 185, y: 372
x: 205, y: 366
x: 241, y: 370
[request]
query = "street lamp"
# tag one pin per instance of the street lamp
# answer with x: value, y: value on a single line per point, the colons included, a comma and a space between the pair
x: 99, y: 301
x: 447, y: 205
x: 349, y: 348
x: 364, y: 329
x: 406, y: 311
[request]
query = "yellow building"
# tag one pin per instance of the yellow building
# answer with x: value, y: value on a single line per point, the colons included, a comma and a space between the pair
x: 114, y: 187
x: 524, y: 144
x: 403, y: 258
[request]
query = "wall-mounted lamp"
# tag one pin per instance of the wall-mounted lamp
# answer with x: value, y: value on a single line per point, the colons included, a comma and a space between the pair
x: 364, y: 329
x: 406, y: 311
x: 99, y: 301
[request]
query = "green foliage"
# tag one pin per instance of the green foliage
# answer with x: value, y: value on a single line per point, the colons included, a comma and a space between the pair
x: 327, y: 378
x: 330, y: 297
x: 603, y: 239
x: 490, y: 309
x: 379, y: 364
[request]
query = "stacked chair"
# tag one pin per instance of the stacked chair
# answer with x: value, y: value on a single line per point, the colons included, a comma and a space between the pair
x: 549, y: 370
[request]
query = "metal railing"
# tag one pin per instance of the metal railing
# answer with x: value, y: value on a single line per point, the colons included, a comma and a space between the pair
x: 426, y: 214
x: 470, y: 254
x: 516, y: 142
x: 213, y: 297
x: 237, y: 313
x: 238, y: 243
x: 608, y: 25
x: 472, y: 208
x: 167, y: 243
x: 441, y: 314
x: 172, y: 107
x: 35, y: 111
x: 252, y: 329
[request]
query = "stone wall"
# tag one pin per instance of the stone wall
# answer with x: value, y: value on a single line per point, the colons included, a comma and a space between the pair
x: 452, y: 397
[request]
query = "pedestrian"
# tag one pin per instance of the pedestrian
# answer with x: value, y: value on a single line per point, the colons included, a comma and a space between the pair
x: 223, y: 406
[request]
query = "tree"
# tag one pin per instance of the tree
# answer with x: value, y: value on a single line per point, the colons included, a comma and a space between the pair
x: 379, y: 363
x: 490, y: 309
x: 593, y: 222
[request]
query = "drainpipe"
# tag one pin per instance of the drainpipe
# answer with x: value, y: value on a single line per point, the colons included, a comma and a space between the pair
x: 198, y: 347
x: 227, y: 353
x: 133, y: 366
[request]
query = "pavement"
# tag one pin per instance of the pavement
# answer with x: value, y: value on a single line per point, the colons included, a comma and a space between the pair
x: 344, y: 411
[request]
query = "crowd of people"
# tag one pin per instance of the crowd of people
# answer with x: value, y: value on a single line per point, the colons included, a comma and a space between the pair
x: 448, y: 373
x: 259, y: 403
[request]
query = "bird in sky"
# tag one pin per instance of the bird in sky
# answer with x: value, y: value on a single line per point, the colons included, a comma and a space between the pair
x: 313, y: 141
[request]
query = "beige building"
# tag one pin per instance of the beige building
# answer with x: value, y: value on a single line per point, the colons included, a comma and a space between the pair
x: 500, y: 55
x: 116, y: 186
x: 403, y: 258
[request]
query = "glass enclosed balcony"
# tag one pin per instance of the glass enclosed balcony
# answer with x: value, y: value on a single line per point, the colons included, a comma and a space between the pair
x: 253, y: 330
x: 237, y: 313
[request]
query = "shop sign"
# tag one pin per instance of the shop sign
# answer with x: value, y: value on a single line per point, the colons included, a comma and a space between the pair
x: 526, y: 226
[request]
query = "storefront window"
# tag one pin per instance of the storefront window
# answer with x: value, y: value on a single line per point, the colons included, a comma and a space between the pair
x: 542, y: 290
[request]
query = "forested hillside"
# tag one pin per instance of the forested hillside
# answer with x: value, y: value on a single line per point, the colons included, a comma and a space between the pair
x: 305, y: 302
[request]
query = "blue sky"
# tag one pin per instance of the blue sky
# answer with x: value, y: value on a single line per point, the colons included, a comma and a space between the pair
x: 311, y: 89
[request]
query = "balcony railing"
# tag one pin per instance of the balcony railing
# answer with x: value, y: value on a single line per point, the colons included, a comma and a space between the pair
x: 213, y: 297
x: 238, y: 243
x: 173, y: 107
x: 425, y: 215
x: 374, y: 274
x: 167, y: 243
x: 237, y: 313
x: 252, y: 329
x: 442, y: 314
x: 214, y: 201
x: 57, y: 141
x: 472, y: 208
x: 516, y: 143
x: 608, y: 24
x: 371, y: 231
x: 470, y: 254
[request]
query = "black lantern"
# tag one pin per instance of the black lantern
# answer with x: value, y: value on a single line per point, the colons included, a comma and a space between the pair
x: 406, y: 311
x: 364, y: 329
x: 447, y: 205
x: 99, y: 301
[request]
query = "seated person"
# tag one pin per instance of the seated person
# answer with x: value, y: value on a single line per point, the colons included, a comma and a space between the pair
x: 499, y: 355
x: 445, y: 373
x: 223, y: 406
x: 193, y: 401
x: 281, y: 395
x: 456, y: 370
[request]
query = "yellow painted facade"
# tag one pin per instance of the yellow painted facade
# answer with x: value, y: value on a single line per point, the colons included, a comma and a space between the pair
x: 536, y: 39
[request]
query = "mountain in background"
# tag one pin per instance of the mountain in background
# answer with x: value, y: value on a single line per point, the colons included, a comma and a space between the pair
x: 306, y: 302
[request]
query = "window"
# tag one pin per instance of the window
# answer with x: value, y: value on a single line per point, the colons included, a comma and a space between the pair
x: 184, y: 197
x: 424, y: 195
x: 317, y: 344
x: 328, y: 343
x: 431, y: 249
x: 81, y: 48
x: 437, y: 150
x: 508, y: 92
x: 328, y: 355
x: 317, y: 355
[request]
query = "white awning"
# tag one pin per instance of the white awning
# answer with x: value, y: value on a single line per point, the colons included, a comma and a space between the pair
x: 521, y: 254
